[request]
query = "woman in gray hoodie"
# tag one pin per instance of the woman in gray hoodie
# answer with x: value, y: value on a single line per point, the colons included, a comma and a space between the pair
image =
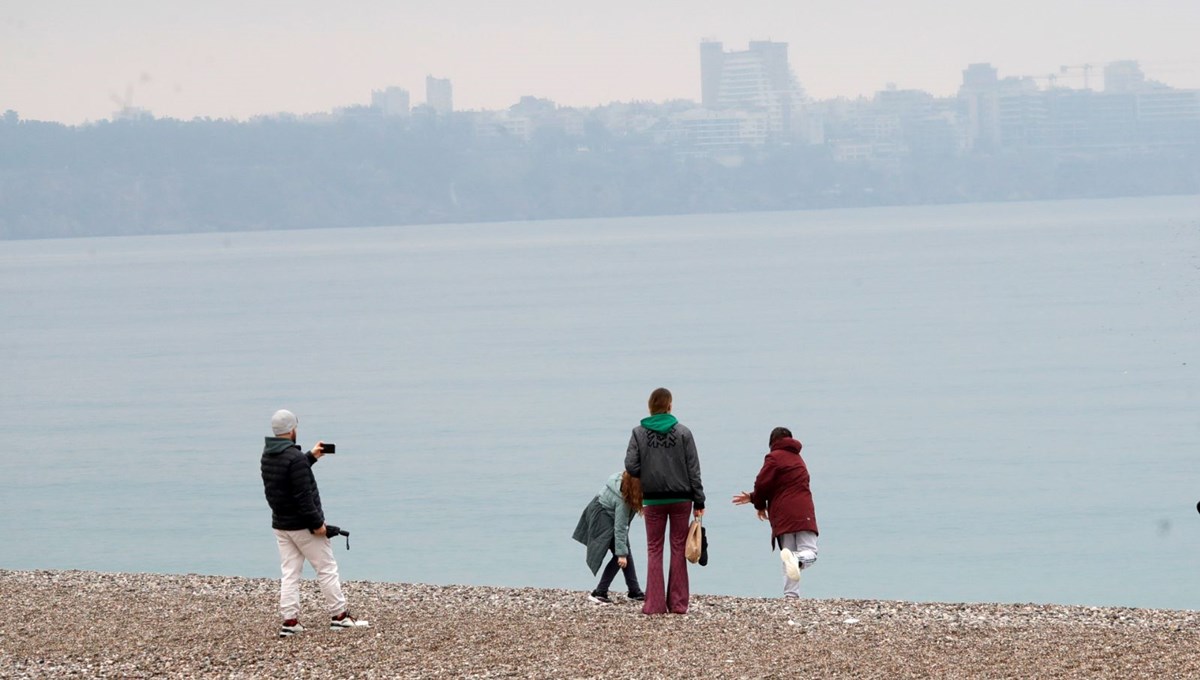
x: 662, y: 453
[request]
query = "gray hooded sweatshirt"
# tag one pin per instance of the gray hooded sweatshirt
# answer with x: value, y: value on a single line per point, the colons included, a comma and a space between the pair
x: 662, y: 453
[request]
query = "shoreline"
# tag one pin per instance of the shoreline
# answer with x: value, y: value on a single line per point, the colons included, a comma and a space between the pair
x: 93, y: 624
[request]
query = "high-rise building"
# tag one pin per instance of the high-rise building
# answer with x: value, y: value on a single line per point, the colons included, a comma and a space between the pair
x: 978, y: 77
x: 755, y: 79
x: 1123, y: 77
x: 980, y: 95
x: 712, y: 58
x: 439, y: 96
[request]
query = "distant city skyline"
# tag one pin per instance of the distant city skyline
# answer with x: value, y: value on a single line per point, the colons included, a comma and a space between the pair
x: 71, y: 61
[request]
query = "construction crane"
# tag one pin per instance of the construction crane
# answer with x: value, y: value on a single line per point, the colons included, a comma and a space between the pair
x: 1051, y: 80
x: 1086, y: 69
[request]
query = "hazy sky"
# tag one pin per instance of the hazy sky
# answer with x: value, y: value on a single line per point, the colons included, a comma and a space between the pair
x: 67, y: 61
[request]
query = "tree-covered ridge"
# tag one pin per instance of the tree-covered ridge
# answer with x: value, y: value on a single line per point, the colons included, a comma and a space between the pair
x: 169, y: 176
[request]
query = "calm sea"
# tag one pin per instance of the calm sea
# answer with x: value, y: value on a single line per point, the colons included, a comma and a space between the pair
x: 997, y: 402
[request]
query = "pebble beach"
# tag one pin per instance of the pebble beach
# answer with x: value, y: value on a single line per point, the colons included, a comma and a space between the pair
x: 73, y: 624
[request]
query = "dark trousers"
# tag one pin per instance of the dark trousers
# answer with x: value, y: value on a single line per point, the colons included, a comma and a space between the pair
x: 610, y: 572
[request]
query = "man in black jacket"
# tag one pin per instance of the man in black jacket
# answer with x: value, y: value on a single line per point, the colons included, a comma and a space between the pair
x: 299, y: 525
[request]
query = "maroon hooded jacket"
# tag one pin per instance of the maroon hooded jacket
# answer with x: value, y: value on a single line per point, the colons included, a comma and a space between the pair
x: 781, y: 488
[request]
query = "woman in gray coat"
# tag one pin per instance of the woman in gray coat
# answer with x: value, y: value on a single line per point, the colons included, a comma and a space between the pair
x: 604, y: 527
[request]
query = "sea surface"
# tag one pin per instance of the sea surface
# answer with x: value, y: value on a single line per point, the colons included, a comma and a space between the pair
x: 998, y: 402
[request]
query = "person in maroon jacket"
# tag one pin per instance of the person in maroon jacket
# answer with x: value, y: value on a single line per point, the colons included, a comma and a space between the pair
x: 781, y: 494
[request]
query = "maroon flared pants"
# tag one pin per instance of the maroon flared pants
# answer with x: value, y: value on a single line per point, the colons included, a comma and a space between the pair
x: 675, y: 597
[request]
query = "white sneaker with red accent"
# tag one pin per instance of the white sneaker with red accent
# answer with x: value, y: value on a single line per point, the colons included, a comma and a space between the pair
x: 346, y: 620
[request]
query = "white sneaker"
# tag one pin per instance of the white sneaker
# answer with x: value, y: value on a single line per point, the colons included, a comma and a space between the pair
x: 290, y: 627
x: 791, y: 565
x: 346, y: 620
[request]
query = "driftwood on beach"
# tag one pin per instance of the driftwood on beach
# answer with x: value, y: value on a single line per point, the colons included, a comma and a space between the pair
x: 84, y: 624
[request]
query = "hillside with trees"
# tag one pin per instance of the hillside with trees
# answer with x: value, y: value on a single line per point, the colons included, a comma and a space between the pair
x: 169, y: 176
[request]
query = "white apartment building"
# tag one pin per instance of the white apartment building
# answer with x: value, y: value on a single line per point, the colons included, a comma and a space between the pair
x: 439, y: 95
x: 757, y: 79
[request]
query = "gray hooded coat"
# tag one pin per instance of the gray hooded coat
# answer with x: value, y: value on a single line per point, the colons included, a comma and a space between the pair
x: 604, y: 524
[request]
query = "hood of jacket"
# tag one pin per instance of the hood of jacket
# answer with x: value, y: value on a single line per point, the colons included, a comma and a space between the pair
x: 614, y: 484
x: 787, y: 444
x: 660, y: 422
x: 277, y: 445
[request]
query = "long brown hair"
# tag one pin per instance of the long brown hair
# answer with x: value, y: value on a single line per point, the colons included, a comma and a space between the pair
x: 631, y: 492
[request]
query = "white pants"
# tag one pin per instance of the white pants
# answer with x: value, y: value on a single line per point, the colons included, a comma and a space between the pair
x: 803, y: 545
x: 294, y: 548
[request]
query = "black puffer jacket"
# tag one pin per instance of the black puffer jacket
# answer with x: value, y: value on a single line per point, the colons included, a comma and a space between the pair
x: 290, y: 486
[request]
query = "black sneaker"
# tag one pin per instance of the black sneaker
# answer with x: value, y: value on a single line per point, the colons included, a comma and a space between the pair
x: 290, y: 628
x: 640, y: 597
x: 599, y: 599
